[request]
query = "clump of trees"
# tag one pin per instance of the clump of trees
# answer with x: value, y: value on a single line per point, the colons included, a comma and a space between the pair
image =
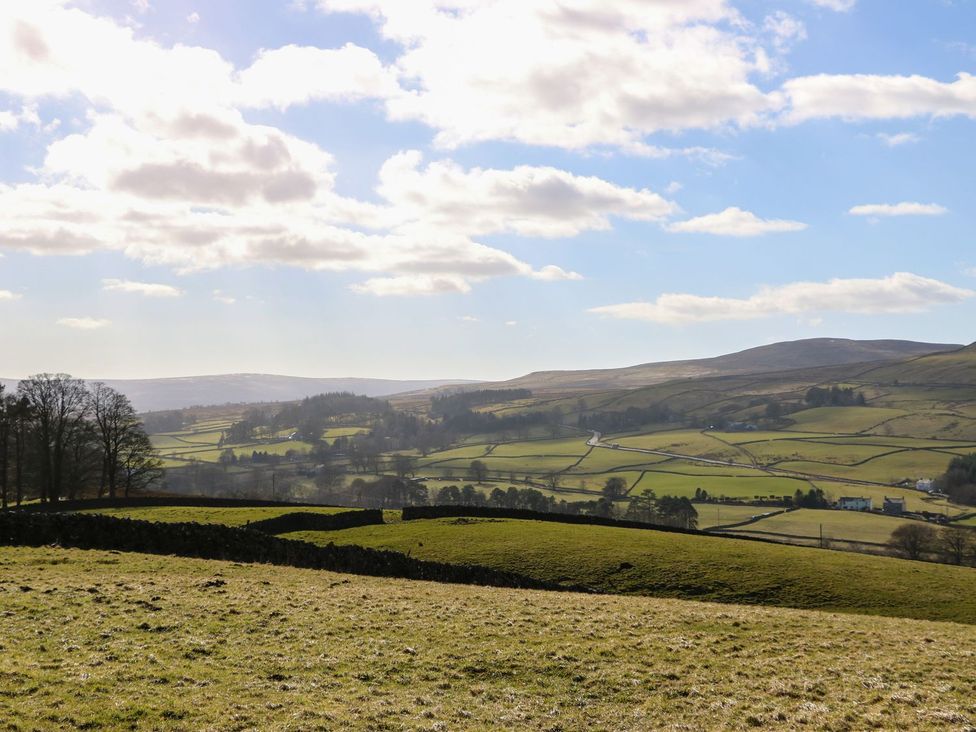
x: 667, y: 510
x: 959, y: 480
x: 917, y: 540
x: 63, y: 438
x: 835, y: 396
x: 442, y: 405
x: 813, y: 498
x: 627, y: 419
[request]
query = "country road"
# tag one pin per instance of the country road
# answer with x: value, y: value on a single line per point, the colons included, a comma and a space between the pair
x: 595, y: 441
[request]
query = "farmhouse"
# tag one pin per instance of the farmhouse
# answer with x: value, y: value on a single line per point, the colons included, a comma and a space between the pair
x: 925, y: 484
x: 894, y: 505
x: 854, y: 503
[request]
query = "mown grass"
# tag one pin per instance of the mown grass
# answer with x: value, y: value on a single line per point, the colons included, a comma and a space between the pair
x: 228, y: 516
x: 100, y: 640
x: 635, y: 561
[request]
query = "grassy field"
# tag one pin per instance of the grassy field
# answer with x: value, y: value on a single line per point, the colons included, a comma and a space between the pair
x: 841, y: 525
x: 228, y: 516
x: 100, y: 640
x: 677, y: 565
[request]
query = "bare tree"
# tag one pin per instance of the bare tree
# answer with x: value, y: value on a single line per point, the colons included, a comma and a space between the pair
x: 57, y: 405
x: 139, y: 465
x: 913, y: 539
x: 956, y: 544
x: 116, y: 423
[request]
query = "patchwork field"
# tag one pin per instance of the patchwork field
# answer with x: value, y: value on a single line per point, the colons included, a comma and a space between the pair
x: 838, y: 525
x: 99, y: 640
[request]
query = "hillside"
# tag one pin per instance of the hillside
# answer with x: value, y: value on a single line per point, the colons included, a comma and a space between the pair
x: 955, y: 368
x: 99, y: 640
x: 641, y: 562
x: 180, y: 392
x: 810, y: 353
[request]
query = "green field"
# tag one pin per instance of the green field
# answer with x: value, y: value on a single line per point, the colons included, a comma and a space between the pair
x: 842, y: 419
x: 839, y: 525
x: 677, y: 565
x: 229, y: 516
x: 98, y: 640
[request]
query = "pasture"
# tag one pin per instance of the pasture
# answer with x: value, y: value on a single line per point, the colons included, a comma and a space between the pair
x: 98, y: 640
x: 647, y: 562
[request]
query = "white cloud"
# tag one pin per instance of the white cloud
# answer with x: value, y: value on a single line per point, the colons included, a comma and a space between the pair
x: 8, y: 295
x: 530, y: 201
x: 905, y: 208
x: 222, y: 297
x: 511, y: 323
x: 841, y: 6
x: 871, y: 96
x: 193, y: 17
x: 412, y: 285
x: 901, y: 292
x: 734, y: 222
x: 148, y: 289
x: 468, y: 319
x: 784, y: 29
x: 898, y: 138
x: 143, y: 6
x: 572, y: 74
x: 552, y: 273
x: 300, y: 74
x: 172, y: 174
x: 84, y: 323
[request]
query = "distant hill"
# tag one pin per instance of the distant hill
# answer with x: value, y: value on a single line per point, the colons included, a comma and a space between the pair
x: 814, y: 352
x: 177, y: 393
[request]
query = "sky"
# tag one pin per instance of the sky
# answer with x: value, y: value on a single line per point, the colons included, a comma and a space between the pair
x: 477, y: 188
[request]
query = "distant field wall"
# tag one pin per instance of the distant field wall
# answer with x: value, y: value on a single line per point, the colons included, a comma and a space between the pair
x: 317, y: 522
x: 213, y: 541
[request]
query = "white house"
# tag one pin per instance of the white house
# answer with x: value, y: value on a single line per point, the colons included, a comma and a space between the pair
x: 925, y: 484
x: 854, y: 503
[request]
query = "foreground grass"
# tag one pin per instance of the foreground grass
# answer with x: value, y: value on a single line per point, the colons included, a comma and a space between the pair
x: 99, y: 640
x: 228, y: 516
x: 635, y: 561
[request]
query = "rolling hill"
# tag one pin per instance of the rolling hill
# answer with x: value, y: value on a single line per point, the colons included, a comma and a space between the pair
x: 810, y: 353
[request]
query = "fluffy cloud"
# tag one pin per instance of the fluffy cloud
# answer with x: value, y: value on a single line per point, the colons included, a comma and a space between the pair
x: 905, y: 208
x: 552, y: 273
x: 897, y: 139
x: 8, y: 295
x: 173, y: 174
x: 222, y: 297
x: 300, y: 74
x: 84, y: 323
x: 871, y: 96
x: 412, y: 285
x: 149, y: 289
x: 901, y: 292
x: 572, y: 74
x: 734, y: 222
x: 531, y: 201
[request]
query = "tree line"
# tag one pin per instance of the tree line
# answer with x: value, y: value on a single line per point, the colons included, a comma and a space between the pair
x: 458, y: 402
x: 63, y: 438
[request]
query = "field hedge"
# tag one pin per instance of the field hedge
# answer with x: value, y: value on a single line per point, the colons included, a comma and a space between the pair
x: 214, y: 541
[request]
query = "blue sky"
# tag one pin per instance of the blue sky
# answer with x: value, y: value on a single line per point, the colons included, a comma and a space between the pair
x: 477, y: 188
